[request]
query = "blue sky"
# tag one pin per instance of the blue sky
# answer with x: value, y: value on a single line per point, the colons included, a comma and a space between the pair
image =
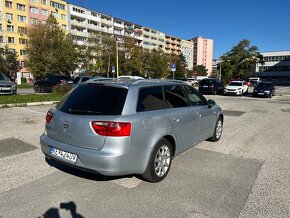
x: 266, y: 23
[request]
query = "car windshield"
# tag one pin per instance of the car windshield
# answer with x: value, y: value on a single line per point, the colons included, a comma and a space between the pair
x: 92, y: 99
x: 235, y: 84
x: 3, y: 77
x: 260, y: 85
x: 76, y: 80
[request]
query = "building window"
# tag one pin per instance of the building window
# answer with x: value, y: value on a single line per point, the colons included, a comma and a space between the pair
x: 34, y: 10
x: 54, y: 14
x: 21, y: 18
x: 78, y: 10
x: 22, y: 41
x: 57, y: 5
x: 1, y: 39
x: 9, y: 17
x: 10, y: 28
x: 1, y: 26
x: 33, y: 21
x: 63, y: 27
x: 44, y: 2
x: 23, y: 52
x: 44, y: 12
x: 8, y: 4
x: 22, y: 30
x: 20, y: 7
x: 35, y: 1
x: 11, y: 40
x: 63, y: 17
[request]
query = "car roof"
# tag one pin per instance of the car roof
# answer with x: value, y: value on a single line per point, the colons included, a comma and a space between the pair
x: 142, y: 83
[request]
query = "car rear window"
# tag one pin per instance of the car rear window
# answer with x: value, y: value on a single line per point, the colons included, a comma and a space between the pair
x: 264, y: 85
x: 94, y: 99
x: 207, y: 81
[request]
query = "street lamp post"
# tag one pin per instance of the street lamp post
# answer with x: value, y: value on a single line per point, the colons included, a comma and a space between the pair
x: 117, y: 58
x: 109, y: 62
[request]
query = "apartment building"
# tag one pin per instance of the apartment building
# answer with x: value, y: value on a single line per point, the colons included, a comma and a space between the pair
x: 172, y: 45
x: 275, y: 67
x: 203, y: 53
x: 187, y: 51
x: 17, y: 15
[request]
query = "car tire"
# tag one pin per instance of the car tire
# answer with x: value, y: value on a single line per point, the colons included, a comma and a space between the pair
x: 270, y: 95
x: 218, y: 130
x: 159, y: 162
x: 36, y: 89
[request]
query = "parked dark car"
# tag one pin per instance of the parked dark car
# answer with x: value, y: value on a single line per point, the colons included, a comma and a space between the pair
x: 80, y: 79
x: 211, y: 86
x: 266, y: 89
x: 47, y: 84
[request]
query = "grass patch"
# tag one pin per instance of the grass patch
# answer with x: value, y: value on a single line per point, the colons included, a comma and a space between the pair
x: 25, y: 86
x: 23, y: 99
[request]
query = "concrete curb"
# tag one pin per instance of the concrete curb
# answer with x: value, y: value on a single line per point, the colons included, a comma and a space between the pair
x: 28, y: 104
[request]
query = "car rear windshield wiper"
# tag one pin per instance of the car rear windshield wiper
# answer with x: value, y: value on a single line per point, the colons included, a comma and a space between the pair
x: 79, y: 111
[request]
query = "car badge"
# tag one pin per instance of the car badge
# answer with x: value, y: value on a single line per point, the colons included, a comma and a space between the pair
x: 65, y: 124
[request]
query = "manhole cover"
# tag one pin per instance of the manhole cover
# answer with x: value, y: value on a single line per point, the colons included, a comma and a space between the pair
x: 12, y: 146
x: 233, y: 113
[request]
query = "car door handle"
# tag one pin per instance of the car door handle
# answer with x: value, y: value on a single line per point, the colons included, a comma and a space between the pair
x: 175, y: 119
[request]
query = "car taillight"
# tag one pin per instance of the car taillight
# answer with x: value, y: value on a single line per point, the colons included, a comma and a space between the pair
x: 107, y: 128
x: 49, y: 116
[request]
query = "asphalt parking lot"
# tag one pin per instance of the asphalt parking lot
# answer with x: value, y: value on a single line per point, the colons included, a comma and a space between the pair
x: 245, y: 174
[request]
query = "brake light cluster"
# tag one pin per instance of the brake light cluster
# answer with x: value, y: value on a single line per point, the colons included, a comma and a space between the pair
x: 107, y: 128
x: 49, y: 116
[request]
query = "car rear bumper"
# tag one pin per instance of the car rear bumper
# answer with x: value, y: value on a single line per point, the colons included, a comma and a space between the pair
x: 103, y: 162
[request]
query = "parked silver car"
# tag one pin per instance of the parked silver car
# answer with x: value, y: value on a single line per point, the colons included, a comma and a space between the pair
x: 129, y: 127
x: 6, y: 86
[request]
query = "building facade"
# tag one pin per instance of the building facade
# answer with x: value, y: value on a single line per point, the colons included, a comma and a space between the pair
x: 187, y: 51
x: 203, y: 53
x: 17, y: 15
x: 275, y: 67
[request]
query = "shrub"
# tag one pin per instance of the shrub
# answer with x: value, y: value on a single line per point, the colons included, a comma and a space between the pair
x: 62, y: 89
x: 23, y: 80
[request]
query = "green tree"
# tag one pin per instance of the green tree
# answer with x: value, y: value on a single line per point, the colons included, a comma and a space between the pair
x: 199, y: 70
x: 156, y: 64
x: 50, y: 50
x: 180, y: 62
x: 133, y: 57
x: 9, y: 64
x: 239, y: 61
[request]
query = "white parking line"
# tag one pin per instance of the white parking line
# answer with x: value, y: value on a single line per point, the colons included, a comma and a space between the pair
x: 127, y: 182
x: 37, y: 112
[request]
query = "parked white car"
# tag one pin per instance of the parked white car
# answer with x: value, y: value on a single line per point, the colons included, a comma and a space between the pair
x: 236, y: 88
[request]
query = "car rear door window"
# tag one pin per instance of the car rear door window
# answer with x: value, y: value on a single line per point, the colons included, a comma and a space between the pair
x: 94, y: 99
x: 174, y: 97
x: 150, y: 99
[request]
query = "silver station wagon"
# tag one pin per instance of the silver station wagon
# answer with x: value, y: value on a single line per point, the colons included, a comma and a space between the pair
x: 129, y: 127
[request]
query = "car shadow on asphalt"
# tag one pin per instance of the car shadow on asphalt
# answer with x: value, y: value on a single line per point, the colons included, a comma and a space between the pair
x: 69, y: 206
x: 83, y: 173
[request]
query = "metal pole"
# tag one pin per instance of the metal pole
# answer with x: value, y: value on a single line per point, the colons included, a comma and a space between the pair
x: 220, y: 76
x: 117, y: 59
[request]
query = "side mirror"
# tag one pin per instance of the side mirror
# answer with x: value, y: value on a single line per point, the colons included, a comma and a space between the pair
x: 211, y: 103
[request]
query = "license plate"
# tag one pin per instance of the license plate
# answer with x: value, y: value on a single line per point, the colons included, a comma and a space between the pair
x: 5, y: 88
x: 260, y: 93
x: 205, y: 86
x: 63, y: 154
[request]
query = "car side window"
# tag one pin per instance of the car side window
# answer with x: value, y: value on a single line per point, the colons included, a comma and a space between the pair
x: 193, y: 96
x: 150, y: 99
x: 174, y: 97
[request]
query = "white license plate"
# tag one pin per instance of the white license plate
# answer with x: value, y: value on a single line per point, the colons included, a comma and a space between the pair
x: 260, y: 93
x: 63, y: 154
x: 5, y: 88
x: 205, y: 86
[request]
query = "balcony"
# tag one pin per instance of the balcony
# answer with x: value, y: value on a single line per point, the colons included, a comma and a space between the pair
x: 79, y: 33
